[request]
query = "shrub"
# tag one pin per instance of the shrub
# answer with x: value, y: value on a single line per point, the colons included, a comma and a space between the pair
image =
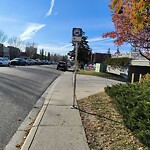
x: 146, y: 78
x: 133, y: 102
x: 118, y: 62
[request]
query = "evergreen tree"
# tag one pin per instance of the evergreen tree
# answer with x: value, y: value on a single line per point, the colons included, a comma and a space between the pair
x: 42, y: 54
x: 108, y: 51
x: 84, y: 52
x: 118, y: 51
x: 49, y: 56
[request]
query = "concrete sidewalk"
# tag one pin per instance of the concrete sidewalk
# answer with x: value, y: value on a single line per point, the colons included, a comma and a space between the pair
x: 58, y: 127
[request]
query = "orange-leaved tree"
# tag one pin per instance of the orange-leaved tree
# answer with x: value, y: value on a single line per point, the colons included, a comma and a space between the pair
x: 131, y: 26
x: 138, y: 11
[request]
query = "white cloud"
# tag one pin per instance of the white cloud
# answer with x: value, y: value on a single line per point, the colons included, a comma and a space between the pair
x: 8, y: 19
x: 56, y: 13
x: 50, y: 9
x: 101, y: 45
x: 31, y: 30
x: 57, y: 48
x: 99, y: 39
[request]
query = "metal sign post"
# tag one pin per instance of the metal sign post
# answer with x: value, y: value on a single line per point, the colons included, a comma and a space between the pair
x: 76, y: 39
x: 75, y: 74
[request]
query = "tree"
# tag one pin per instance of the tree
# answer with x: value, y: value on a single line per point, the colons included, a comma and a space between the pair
x: 126, y: 31
x: 31, y: 50
x: 118, y: 51
x: 49, y: 56
x: 108, y: 51
x: 64, y: 58
x: 55, y: 57
x: 84, y: 52
x: 138, y: 11
x: 133, y: 49
x: 42, y: 54
x: 15, y: 42
x: 31, y: 44
x: 3, y: 37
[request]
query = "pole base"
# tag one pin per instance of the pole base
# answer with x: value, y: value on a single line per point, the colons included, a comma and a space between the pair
x: 73, y: 107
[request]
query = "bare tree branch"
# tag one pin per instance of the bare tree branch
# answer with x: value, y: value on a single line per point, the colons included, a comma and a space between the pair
x: 3, y: 36
x: 15, y: 42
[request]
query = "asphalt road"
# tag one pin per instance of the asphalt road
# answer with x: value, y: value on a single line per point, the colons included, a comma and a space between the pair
x: 20, y: 88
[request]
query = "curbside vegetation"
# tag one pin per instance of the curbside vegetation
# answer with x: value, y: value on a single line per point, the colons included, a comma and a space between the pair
x: 118, y: 62
x: 101, y: 74
x: 133, y: 103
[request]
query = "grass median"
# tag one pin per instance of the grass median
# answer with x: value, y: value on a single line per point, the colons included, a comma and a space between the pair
x: 101, y: 74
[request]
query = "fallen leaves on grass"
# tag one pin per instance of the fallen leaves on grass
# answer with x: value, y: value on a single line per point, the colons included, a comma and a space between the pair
x: 105, y: 130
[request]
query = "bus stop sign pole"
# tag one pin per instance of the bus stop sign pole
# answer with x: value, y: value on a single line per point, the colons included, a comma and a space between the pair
x: 76, y: 39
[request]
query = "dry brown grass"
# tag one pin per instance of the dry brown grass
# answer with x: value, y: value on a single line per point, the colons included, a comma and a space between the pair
x: 105, y: 130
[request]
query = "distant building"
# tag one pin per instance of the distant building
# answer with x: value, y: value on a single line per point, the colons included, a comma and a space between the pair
x: 100, y: 57
x: 14, y: 52
x: 4, y: 51
x: 23, y: 55
x: 1, y: 50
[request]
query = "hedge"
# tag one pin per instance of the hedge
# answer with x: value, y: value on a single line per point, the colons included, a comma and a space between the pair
x: 118, y: 62
x: 133, y: 103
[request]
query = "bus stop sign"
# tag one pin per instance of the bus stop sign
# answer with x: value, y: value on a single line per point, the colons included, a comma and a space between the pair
x: 76, y: 35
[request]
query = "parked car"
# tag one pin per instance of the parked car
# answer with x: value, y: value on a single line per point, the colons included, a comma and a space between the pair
x: 62, y: 65
x: 18, y: 61
x: 4, y: 61
x: 30, y: 62
x: 38, y: 62
x: 45, y: 62
x: 69, y: 65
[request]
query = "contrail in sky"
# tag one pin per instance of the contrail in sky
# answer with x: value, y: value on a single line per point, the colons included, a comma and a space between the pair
x: 31, y: 30
x: 50, y: 9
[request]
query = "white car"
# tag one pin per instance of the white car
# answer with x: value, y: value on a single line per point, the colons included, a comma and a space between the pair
x: 4, y: 61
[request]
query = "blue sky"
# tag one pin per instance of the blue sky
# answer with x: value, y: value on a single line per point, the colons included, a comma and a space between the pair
x: 49, y: 23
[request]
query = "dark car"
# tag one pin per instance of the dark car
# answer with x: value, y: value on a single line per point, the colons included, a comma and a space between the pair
x: 62, y: 65
x: 18, y: 61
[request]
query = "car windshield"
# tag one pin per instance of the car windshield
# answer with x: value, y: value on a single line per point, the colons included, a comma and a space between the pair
x: 62, y: 63
x: 17, y: 58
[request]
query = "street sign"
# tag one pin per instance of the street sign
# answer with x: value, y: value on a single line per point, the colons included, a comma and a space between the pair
x: 76, y: 35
